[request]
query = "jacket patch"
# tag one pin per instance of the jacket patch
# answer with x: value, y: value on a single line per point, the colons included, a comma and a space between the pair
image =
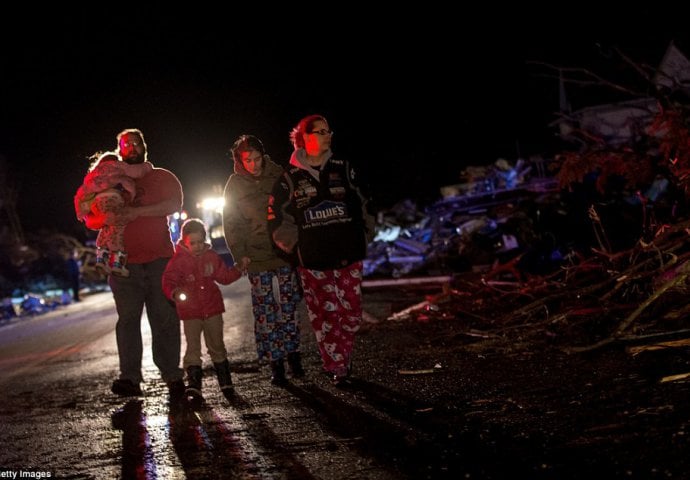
x: 325, y: 213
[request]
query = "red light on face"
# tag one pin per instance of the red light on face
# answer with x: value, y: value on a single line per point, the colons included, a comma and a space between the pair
x: 319, y: 139
x: 252, y: 161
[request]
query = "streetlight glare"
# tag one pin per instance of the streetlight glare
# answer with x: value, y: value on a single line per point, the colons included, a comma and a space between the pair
x: 212, y: 214
x: 213, y: 204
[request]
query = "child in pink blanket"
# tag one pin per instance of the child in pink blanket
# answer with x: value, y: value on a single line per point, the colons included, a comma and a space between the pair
x: 108, y: 186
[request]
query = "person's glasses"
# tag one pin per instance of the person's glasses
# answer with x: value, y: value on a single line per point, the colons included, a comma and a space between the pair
x: 323, y: 131
x: 130, y: 144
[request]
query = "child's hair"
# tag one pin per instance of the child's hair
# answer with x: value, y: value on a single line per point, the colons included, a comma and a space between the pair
x: 193, y: 225
x: 99, y: 157
x: 245, y: 143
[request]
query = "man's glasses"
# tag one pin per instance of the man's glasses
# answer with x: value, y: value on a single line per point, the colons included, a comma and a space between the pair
x: 323, y: 131
x: 130, y: 144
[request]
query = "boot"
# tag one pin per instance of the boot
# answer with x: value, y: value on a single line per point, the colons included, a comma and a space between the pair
x: 119, y: 262
x: 294, y: 360
x: 103, y: 260
x: 278, y: 373
x: 224, y: 377
x: 194, y: 375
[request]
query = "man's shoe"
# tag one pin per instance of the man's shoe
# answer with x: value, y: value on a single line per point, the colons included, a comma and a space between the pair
x: 126, y: 388
x: 176, y: 390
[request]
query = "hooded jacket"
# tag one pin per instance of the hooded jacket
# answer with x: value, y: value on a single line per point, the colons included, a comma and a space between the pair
x: 196, y: 277
x: 244, y: 217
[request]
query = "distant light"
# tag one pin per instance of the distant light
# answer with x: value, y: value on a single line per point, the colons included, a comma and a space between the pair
x: 183, y: 215
x: 213, y: 204
x: 216, y: 231
x: 176, y: 215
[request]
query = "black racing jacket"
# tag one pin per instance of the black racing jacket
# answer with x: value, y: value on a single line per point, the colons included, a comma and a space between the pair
x: 325, y: 218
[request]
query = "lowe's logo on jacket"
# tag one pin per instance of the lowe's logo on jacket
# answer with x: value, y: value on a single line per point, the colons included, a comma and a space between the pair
x: 326, y: 212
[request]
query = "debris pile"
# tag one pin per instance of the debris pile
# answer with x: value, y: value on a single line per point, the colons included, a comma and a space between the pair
x: 494, y: 215
x: 510, y: 270
x: 634, y: 296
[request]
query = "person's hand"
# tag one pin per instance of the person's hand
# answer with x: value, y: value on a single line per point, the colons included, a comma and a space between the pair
x: 243, y: 264
x: 285, y: 237
x: 284, y: 246
x: 122, y: 216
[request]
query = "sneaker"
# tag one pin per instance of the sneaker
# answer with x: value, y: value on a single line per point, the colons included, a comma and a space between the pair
x: 126, y: 388
x: 103, y: 260
x: 119, y: 261
x: 103, y: 268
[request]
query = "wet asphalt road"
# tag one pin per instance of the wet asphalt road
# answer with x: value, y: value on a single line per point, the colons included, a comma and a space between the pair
x: 430, y: 399
x: 60, y: 419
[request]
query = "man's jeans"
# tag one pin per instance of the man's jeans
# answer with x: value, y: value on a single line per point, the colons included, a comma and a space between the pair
x: 143, y: 287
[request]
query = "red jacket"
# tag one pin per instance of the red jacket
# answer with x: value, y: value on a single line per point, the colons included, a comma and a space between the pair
x: 196, y: 276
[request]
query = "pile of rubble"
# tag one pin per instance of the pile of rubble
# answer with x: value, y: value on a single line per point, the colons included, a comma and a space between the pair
x: 494, y: 215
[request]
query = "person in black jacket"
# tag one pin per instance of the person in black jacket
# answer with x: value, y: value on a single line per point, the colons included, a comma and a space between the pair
x: 318, y: 208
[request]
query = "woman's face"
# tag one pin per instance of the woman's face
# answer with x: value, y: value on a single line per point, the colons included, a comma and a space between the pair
x: 252, y: 161
x: 319, y: 140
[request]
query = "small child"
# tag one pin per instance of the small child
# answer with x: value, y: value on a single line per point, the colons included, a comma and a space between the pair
x: 190, y: 281
x: 107, y: 187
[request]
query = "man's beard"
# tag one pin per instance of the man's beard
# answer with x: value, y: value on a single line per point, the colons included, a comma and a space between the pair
x: 134, y: 159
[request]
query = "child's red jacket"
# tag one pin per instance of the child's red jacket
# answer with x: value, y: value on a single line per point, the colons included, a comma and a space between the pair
x: 196, y: 277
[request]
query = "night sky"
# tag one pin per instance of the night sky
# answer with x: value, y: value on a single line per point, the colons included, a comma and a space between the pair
x: 413, y: 97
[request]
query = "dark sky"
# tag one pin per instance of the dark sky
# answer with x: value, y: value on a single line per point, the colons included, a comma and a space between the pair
x: 413, y: 96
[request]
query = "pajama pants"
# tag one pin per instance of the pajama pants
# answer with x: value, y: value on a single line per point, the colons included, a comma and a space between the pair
x: 334, y: 303
x: 275, y: 295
